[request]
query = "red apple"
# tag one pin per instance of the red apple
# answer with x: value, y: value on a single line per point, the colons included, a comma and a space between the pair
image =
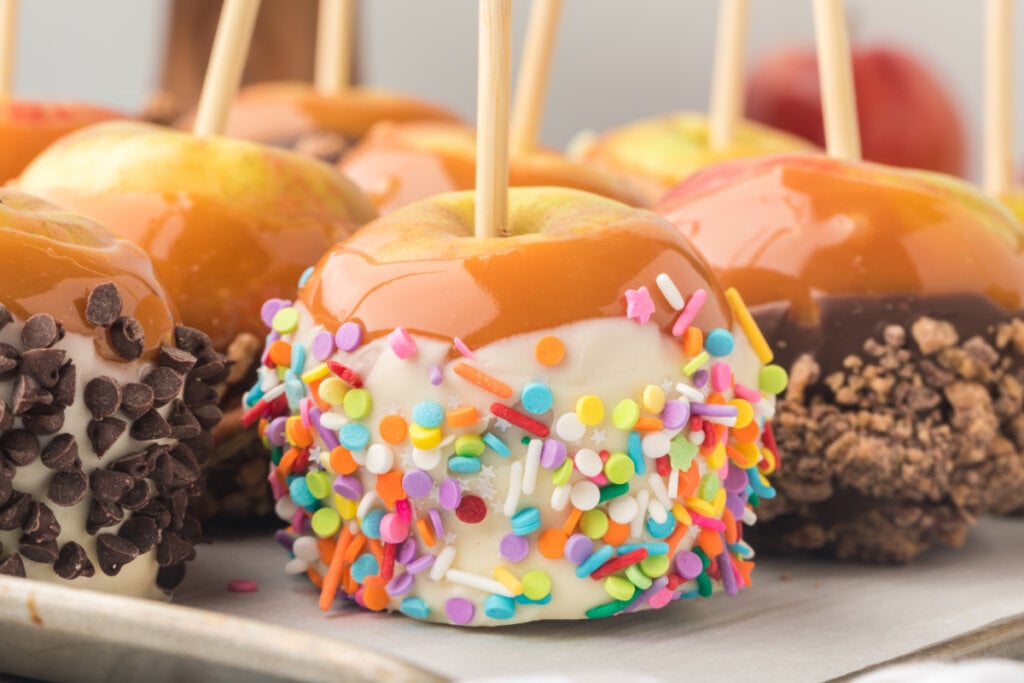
x: 907, y: 117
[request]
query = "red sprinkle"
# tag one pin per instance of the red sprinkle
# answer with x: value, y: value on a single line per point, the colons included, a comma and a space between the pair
x: 252, y: 416
x: 519, y: 420
x: 664, y: 466
x: 471, y: 510
x: 301, y: 462
x: 621, y: 562
x: 387, y: 562
x: 673, y: 581
x: 243, y: 586
x: 347, y: 374
x: 768, y: 439
x: 696, y: 423
x: 710, y: 438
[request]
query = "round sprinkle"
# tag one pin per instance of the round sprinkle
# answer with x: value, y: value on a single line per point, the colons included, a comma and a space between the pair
x: 393, y: 529
x: 379, y: 459
x: 550, y: 351
x: 551, y: 543
x: 653, y: 398
x: 470, y: 445
x: 537, y: 398
x: 661, y: 529
x: 588, y: 462
x: 354, y: 437
x: 322, y: 346
x: 656, y: 444
x: 365, y: 565
x: 332, y: 390
x: 719, y: 342
x: 536, y: 585
x: 578, y: 548
x: 414, y: 607
x: 450, y: 494
x: 552, y: 455
x: 515, y: 548
x: 459, y: 610
x: 497, y: 445
x: 424, y: 438
x: 623, y: 509
x: 428, y: 414
x: 637, y: 577
x: 625, y: 414
x: 499, y: 607
x: 525, y: 521
x: 619, y: 587
x: 744, y: 412
x: 326, y: 522
x: 417, y: 484
x: 655, y: 565
x: 772, y: 379
x: 570, y: 428
x: 585, y: 495
x: 471, y: 510
x: 594, y: 524
x: 243, y: 586
x: 619, y: 469
x: 319, y: 484
x: 402, y: 343
x: 463, y: 464
x: 371, y: 523
x: 300, y: 492
x: 285, y: 320
x: 341, y: 461
x: 590, y: 410
x: 689, y: 565
x: 675, y: 414
x: 305, y: 548
x: 393, y: 428
x: 270, y: 309
x: 349, y: 488
x: 349, y: 336
x: 358, y: 403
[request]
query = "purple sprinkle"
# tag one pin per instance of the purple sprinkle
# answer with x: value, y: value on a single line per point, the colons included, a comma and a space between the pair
x: 578, y: 548
x: 399, y: 585
x: 552, y: 455
x: 329, y: 437
x: 406, y: 551
x: 688, y: 564
x: 348, y: 487
x: 641, y: 599
x: 300, y: 522
x: 736, y: 503
x: 349, y: 336
x: 435, y: 521
x: 417, y: 483
x: 711, y: 410
x: 276, y: 433
x: 450, y: 494
x: 735, y: 480
x: 700, y: 378
x: 675, y: 414
x: 420, y: 563
x: 514, y: 548
x: 270, y: 309
x: 322, y: 346
x: 727, y: 572
x: 459, y: 610
x: 285, y: 539
x: 435, y: 375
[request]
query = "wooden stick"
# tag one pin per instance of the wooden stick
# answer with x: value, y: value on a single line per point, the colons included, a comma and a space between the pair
x: 8, y: 21
x: 493, y: 77
x: 838, y: 100
x: 227, y: 62
x: 997, y: 175
x: 534, y: 74
x: 333, y: 73
x: 727, y: 78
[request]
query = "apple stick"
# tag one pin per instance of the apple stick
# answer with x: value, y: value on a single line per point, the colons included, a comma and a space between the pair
x: 8, y: 19
x: 838, y: 100
x: 997, y: 175
x: 227, y: 62
x: 727, y: 78
x: 493, y: 77
x: 534, y: 74
x: 333, y: 72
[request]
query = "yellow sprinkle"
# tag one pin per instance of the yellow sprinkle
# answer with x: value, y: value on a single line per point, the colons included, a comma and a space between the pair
x: 333, y: 390
x: 654, y: 398
x: 718, y: 503
x: 590, y: 410
x: 750, y: 452
x: 749, y: 327
x: 694, y: 365
x: 745, y: 414
x: 424, y: 438
x: 508, y: 580
x: 319, y: 372
x: 345, y: 507
x: 769, y: 460
x: 681, y: 515
x: 286, y: 320
x: 717, y: 457
x: 700, y: 506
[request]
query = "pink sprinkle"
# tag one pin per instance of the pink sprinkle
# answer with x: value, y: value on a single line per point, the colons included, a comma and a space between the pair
x: 721, y: 376
x: 660, y: 599
x: 304, y: 406
x: 404, y: 510
x: 298, y: 519
x: 276, y: 487
x: 689, y: 312
x: 435, y: 375
x: 463, y: 349
x: 746, y: 393
x: 600, y: 479
x: 707, y: 522
x: 393, y: 529
x: 401, y: 343
x: 639, y: 305
x: 243, y: 586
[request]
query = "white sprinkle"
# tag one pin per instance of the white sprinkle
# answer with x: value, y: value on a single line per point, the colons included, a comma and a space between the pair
x: 727, y: 421
x: 515, y: 488
x: 285, y: 508
x: 588, y: 462
x: 766, y: 408
x: 657, y: 512
x: 690, y: 393
x: 370, y: 499
x: 585, y: 495
x: 669, y: 291
x: 749, y: 517
x: 623, y: 509
x: 560, y: 497
x: 673, y: 482
x: 305, y: 549
x: 333, y: 421
x: 569, y: 427
x: 532, y: 465
x: 696, y: 437
x: 295, y: 566
x: 379, y: 459
x: 636, y: 528
x: 659, y: 490
x: 274, y: 390
x: 479, y: 582
x: 655, y: 445
x: 359, y: 457
x: 426, y: 459
x: 443, y: 563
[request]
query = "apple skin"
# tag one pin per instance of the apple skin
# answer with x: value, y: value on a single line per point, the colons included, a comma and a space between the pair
x: 228, y: 223
x: 27, y: 128
x: 398, y: 164
x: 907, y: 117
x: 659, y: 152
x: 1014, y: 201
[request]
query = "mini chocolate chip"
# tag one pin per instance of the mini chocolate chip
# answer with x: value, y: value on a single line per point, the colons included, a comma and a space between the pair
x: 41, y: 331
x: 168, y: 578
x: 166, y: 384
x: 150, y: 426
x: 72, y: 562
x: 177, y: 503
x: 109, y: 485
x: 44, y: 365
x: 113, y: 552
x: 183, y: 423
x: 5, y: 317
x: 191, y: 529
x: 28, y: 394
x: 13, y: 566
x: 136, y: 465
x: 103, y: 433
x: 6, y: 417
x: 44, y: 423
x: 192, y: 340
x: 102, y: 514
x: 44, y: 552
x: 179, y: 360
x: 104, y: 305
x: 209, y: 370
x: 40, y: 524
x: 20, y: 446
x: 68, y: 488
x: 136, y: 399
x: 184, y: 467
x: 198, y: 393
x: 14, y: 513
x: 102, y: 396
x: 64, y: 392
x: 33, y: 518
x: 202, y: 446
x: 157, y: 511
x: 174, y: 549
x: 208, y: 416
x: 142, y: 531
x: 127, y: 337
x: 138, y: 497
x: 10, y: 361
x: 6, y: 489
x: 62, y: 454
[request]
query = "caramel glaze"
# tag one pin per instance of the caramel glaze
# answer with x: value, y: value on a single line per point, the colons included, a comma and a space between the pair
x: 53, y: 259
x: 797, y: 228
x: 27, y: 128
x: 397, y: 164
x: 524, y: 284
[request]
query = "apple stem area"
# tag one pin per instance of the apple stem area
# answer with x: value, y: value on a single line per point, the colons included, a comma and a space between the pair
x: 492, y: 141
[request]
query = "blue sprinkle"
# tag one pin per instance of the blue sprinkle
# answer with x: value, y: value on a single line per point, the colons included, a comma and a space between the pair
x: 536, y: 398
x: 301, y: 495
x: 523, y: 600
x: 415, y: 608
x: 500, y: 607
x: 304, y: 278
x: 588, y: 565
x: 662, y: 530
x: 294, y: 389
x: 298, y: 357
x: 428, y: 414
x: 719, y: 342
x: 688, y: 595
x: 652, y: 548
x: 464, y: 464
x: 365, y: 565
x: 253, y: 396
x: 762, y: 491
x: 741, y: 549
x: 635, y: 452
x: 354, y: 436
x: 525, y: 521
x: 371, y: 523
x: 497, y: 445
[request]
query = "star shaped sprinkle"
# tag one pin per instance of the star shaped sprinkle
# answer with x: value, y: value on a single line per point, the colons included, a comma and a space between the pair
x: 639, y: 305
x: 597, y: 437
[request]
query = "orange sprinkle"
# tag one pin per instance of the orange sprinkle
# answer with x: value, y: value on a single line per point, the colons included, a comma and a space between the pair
x: 314, y: 393
x: 710, y: 542
x: 745, y: 567
x: 574, y: 519
x: 549, y: 350
x: 482, y: 380
x: 689, y: 480
x: 374, y: 596
x: 376, y: 549
x: 551, y: 543
x: 747, y: 433
x: 334, y: 570
x: 341, y: 461
x: 280, y: 353
x: 617, y: 534
x: 315, y: 578
x: 354, y: 548
x: 393, y: 429
x: 676, y: 536
x: 648, y: 424
x: 326, y: 546
x: 350, y: 584
x: 425, y: 533
x: 693, y: 341
x: 297, y: 433
x: 284, y: 468
x: 389, y: 488
x: 731, y: 534
x: 463, y: 416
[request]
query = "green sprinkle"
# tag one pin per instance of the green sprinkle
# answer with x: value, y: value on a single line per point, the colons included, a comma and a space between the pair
x: 637, y: 577
x: 704, y: 561
x: 357, y: 403
x: 326, y: 522
x: 319, y: 484
x: 561, y: 476
x: 594, y: 524
x: 704, y: 587
x: 754, y: 499
x: 625, y: 414
x: 285, y: 321
x: 536, y: 585
x: 709, y: 486
x: 470, y: 445
x: 619, y: 469
x: 276, y: 453
x: 681, y: 453
x: 619, y: 587
x: 772, y: 379
x: 607, y: 609
x: 694, y: 365
x: 655, y: 565
x: 613, y: 491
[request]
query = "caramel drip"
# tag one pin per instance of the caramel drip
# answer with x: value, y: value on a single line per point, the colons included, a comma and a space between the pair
x: 520, y: 287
